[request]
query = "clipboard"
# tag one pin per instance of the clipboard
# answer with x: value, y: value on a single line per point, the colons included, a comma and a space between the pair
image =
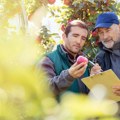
x: 107, y: 78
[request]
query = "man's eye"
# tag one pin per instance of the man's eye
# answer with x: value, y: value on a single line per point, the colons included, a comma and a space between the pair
x: 100, y: 33
x: 75, y: 35
x: 83, y: 38
x: 107, y: 30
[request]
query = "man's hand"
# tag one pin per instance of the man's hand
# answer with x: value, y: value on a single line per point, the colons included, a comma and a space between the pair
x: 116, y: 90
x: 77, y: 70
x: 95, y: 69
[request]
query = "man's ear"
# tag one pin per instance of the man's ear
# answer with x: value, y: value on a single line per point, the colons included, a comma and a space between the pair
x: 64, y: 36
x: 119, y: 27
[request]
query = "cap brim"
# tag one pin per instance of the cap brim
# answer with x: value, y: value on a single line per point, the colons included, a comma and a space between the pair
x: 102, y: 25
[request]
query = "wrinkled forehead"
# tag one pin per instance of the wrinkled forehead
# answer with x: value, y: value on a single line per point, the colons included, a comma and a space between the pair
x: 101, y: 29
x: 77, y: 29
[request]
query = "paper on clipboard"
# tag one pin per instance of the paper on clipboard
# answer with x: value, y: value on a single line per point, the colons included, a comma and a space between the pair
x: 108, y: 79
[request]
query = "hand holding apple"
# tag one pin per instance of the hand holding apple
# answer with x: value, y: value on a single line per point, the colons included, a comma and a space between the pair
x: 77, y: 70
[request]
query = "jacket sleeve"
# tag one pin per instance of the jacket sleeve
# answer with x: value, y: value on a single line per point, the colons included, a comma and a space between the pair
x: 58, y: 83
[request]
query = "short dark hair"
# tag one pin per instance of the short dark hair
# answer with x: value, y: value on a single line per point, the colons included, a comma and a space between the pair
x: 73, y: 23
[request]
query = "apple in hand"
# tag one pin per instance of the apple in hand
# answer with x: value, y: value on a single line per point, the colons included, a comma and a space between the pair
x: 81, y: 59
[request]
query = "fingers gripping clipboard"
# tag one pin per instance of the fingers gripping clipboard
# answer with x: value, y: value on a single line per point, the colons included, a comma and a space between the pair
x: 108, y: 79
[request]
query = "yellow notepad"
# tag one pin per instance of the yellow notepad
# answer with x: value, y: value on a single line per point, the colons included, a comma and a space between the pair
x: 107, y: 79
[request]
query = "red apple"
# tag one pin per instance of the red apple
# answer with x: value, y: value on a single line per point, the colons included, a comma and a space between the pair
x: 66, y: 2
x: 81, y: 59
x: 97, y: 42
x: 38, y: 39
x: 94, y: 34
x: 51, y: 1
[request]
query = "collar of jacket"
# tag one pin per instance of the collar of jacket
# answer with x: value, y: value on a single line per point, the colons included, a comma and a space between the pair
x: 71, y: 58
x: 116, y: 46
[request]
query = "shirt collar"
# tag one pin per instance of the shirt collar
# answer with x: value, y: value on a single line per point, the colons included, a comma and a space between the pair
x: 71, y: 58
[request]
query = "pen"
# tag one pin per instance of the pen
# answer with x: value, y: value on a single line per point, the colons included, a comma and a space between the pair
x: 91, y: 63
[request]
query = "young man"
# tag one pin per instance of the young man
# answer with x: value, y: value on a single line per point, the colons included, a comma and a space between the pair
x: 108, y: 29
x: 61, y: 66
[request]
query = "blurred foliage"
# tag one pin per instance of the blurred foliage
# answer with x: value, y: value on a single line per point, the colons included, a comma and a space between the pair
x: 17, y: 7
x: 22, y: 87
x: 12, y: 6
x: 86, y: 10
x: 32, y: 5
x: 46, y: 39
x: 80, y: 107
x: 9, y: 8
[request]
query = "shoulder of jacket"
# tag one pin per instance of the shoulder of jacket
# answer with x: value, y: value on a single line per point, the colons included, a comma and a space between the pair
x: 101, y: 53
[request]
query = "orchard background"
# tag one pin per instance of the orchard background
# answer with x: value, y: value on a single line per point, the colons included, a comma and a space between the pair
x: 24, y: 91
x: 86, y: 10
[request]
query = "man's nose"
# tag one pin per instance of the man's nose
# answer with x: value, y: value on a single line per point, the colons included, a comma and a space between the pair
x: 105, y: 35
x: 79, y: 40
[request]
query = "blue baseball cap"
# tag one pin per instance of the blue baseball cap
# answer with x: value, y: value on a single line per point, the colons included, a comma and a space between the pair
x: 105, y: 20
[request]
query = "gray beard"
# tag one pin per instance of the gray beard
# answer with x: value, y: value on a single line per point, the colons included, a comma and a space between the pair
x: 107, y: 46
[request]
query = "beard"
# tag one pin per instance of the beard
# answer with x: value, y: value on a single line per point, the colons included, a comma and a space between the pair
x: 72, y: 51
x: 108, y: 44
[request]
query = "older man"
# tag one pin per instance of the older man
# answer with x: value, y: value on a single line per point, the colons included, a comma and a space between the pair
x: 108, y: 29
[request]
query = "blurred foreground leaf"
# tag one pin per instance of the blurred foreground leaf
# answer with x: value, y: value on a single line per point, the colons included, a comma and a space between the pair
x: 80, y: 107
x: 23, y: 89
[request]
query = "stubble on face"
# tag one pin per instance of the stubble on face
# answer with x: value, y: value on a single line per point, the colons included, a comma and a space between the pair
x: 113, y: 36
x: 108, y: 44
x: 72, y: 48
